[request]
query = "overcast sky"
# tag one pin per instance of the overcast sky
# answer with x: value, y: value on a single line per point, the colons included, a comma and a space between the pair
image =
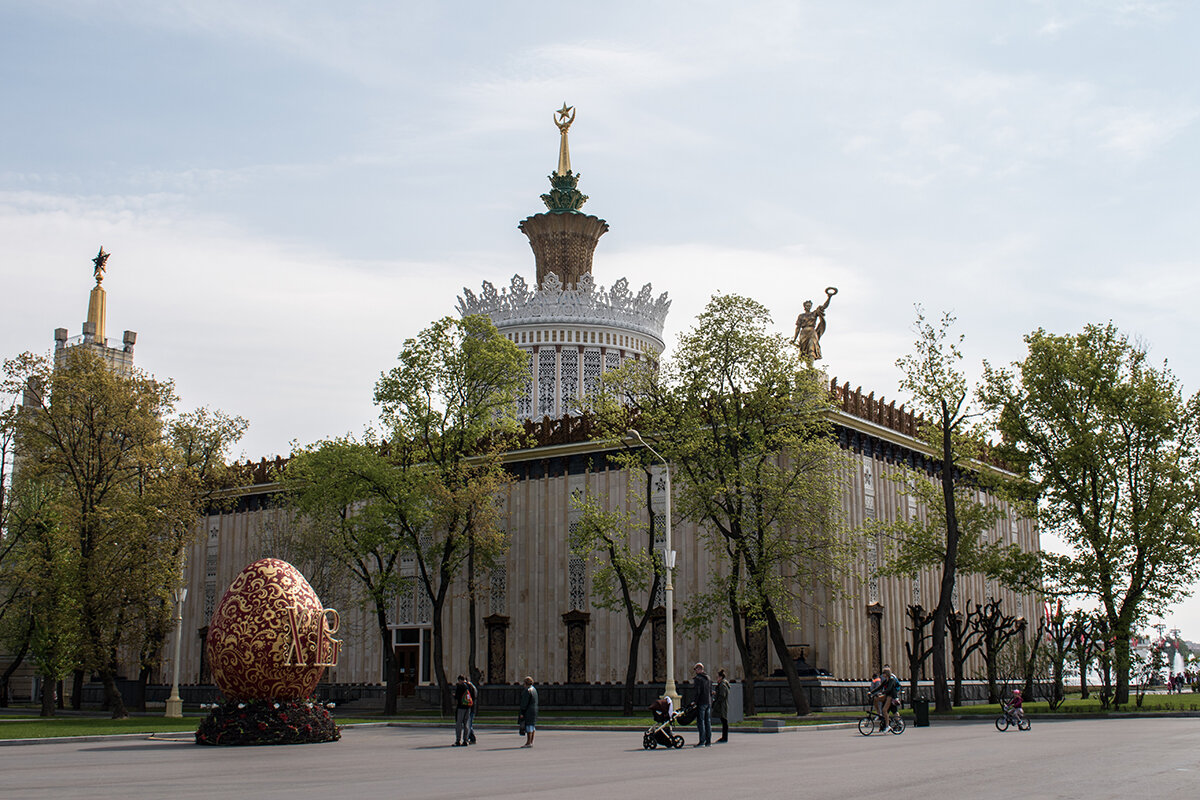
x: 290, y: 189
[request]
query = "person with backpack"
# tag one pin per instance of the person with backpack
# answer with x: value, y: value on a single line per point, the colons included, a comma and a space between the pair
x: 887, y: 695
x: 463, y: 702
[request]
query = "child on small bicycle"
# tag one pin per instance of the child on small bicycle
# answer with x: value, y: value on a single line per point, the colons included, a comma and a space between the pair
x: 1015, y: 707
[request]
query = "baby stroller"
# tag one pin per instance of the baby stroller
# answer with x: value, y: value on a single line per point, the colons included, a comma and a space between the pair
x: 661, y: 731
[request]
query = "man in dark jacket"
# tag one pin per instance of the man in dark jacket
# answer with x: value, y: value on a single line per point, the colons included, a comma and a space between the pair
x: 463, y: 700
x: 529, y: 710
x: 702, y: 697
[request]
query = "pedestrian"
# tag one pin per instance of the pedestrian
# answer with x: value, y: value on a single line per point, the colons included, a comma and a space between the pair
x: 721, y: 704
x: 462, y: 712
x: 529, y: 710
x: 702, y: 697
x: 474, y: 710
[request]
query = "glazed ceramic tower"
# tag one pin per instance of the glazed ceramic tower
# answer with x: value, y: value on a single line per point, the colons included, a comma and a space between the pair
x: 573, y: 330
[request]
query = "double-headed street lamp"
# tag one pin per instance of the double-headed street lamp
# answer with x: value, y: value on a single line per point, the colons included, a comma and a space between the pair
x: 669, y: 563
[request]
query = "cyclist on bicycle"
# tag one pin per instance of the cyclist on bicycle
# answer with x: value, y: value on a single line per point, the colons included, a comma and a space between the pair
x: 1015, y: 708
x: 887, y: 695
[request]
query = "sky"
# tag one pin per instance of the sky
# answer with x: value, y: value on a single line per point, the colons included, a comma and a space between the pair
x: 290, y: 189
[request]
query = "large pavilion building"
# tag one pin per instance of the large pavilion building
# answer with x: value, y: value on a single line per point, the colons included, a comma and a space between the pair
x: 536, y: 613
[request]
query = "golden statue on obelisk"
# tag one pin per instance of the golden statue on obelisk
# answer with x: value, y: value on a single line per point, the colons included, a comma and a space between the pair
x: 810, y: 325
x: 100, y: 260
x: 97, y: 300
x: 563, y: 119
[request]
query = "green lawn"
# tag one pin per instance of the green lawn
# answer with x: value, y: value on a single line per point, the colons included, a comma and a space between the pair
x: 36, y: 728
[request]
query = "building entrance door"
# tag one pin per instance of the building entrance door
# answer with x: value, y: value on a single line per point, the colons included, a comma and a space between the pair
x: 407, y: 669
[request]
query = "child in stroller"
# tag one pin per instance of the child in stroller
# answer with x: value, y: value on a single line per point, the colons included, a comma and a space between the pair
x: 661, y: 731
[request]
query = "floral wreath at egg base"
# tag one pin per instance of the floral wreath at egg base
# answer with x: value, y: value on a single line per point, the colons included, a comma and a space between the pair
x: 251, y: 722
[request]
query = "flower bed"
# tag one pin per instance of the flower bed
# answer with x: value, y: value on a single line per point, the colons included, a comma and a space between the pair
x: 268, y: 722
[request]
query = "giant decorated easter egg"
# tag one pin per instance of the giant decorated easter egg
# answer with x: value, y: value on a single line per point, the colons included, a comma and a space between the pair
x: 269, y: 635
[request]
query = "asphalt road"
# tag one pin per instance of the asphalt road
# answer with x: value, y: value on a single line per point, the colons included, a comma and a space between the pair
x: 1057, y: 759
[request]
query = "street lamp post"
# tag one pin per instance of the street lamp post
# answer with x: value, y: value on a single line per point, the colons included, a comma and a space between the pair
x: 175, y: 702
x: 669, y: 562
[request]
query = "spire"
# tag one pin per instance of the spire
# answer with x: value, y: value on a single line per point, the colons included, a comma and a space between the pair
x: 563, y: 119
x: 564, y: 197
x: 563, y: 238
x: 96, y: 302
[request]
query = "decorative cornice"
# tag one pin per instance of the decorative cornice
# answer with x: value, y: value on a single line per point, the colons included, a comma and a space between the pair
x: 586, y: 304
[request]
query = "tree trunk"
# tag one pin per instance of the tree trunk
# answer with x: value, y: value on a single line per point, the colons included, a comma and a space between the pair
x: 143, y: 679
x: 1031, y: 662
x: 993, y: 674
x: 1122, y: 665
x: 956, y: 657
x: 1083, y: 671
x: 799, y: 698
x: 941, y: 692
x: 389, y: 660
x: 439, y: 664
x: 77, y: 690
x: 47, y: 697
x: 17, y: 659
x: 739, y: 637
x: 112, y: 695
x: 473, y: 636
x: 635, y: 640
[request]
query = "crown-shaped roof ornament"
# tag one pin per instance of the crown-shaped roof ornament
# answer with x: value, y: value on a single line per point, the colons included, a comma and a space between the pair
x: 564, y: 197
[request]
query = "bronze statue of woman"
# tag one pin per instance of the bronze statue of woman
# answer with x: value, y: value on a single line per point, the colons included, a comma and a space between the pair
x: 810, y: 326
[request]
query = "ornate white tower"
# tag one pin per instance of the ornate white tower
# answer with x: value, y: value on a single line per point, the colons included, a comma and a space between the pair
x: 573, y: 330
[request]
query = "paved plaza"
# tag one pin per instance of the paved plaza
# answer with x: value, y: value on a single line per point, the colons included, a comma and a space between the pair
x: 1057, y: 759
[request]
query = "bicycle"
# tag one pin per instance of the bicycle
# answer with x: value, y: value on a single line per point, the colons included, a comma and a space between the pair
x: 1009, y: 717
x: 870, y: 723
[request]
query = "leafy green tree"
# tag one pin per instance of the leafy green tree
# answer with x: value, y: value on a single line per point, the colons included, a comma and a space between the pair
x: 628, y: 571
x: 344, y: 494
x: 124, y: 496
x: 1111, y: 447
x: 950, y: 536
x: 15, y: 626
x: 745, y: 425
x: 429, y: 492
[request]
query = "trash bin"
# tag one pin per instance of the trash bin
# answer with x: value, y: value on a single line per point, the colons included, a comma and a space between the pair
x: 920, y: 712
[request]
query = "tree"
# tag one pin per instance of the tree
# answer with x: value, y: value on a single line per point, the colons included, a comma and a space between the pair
x: 1060, y: 634
x: 627, y: 575
x: 429, y: 492
x: 15, y: 627
x: 997, y: 628
x: 342, y: 494
x: 1111, y: 447
x: 950, y: 536
x: 965, y: 638
x: 1083, y: 647
x: 744, y: 424
x: 123, y: 496
x: 918, y: 647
